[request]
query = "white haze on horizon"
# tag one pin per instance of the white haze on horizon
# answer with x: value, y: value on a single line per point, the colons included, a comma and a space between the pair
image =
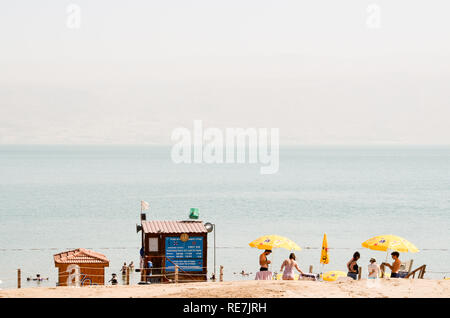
x: 135, y: 71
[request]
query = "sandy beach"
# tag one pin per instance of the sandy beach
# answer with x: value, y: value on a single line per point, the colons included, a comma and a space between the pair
x: 398, y: 288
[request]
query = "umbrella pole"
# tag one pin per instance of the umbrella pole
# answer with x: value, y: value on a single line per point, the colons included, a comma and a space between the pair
x: 271, y: 263
x: 270, y: 268
x: 387, y: 256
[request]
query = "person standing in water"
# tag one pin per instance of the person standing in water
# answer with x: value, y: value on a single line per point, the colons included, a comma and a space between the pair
x: 289, y: 265
x: 352, y: 266
x: 124, y: 272
x: 263, y: 261
x: 124, y: 269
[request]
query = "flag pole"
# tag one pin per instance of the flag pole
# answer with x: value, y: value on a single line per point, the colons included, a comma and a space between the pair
x: 144, y: 206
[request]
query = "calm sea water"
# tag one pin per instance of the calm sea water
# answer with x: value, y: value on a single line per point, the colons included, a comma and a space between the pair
x: 53, y: 198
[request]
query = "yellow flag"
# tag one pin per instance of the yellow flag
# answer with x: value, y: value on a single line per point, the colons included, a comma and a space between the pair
x: 324, y: 256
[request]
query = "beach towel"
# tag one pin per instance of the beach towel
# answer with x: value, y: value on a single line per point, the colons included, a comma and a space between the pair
x: 263, y: 275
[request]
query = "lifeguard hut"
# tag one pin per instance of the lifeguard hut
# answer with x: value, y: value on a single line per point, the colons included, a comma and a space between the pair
x: 80, y: 267
x: 170, y: 244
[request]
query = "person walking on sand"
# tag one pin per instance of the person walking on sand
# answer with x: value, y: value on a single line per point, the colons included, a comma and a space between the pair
x: 263, y: 261
x: 374, y: 269
x: 288, y: 266
x: 395, y: 267
x: 352, y: 266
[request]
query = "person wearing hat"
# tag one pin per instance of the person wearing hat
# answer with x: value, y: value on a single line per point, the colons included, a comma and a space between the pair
x: 374, y: 269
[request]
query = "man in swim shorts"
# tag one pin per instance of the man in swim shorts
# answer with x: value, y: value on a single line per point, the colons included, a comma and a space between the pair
x: 395, y: 267
x: 263, y: 261
x: 352, y: 266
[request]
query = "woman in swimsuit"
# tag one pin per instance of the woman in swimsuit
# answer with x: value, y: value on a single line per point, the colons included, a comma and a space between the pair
x: 352, y: 266
x: 289, y: 265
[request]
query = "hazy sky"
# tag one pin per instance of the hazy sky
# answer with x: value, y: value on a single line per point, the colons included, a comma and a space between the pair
x: 324, y: 72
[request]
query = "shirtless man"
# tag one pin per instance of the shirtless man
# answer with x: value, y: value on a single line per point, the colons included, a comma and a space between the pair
x: 263, y: 261
x: 395, y: 265
x: 352, y: 266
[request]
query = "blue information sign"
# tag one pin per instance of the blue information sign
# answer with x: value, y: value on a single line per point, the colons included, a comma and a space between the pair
x: 187, y: 265
x: 187, y: 255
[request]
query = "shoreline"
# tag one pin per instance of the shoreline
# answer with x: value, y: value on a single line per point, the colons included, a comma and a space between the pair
x: 387, y: 288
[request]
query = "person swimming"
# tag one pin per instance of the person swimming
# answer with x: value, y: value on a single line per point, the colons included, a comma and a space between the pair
x: 243, y: 273
x: 38, y: 278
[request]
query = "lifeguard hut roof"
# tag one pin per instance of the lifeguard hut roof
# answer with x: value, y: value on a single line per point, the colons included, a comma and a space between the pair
x: 80, y: 255
x: 158, y: 227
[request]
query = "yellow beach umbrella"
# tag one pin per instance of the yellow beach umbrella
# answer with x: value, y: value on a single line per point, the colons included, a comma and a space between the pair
x: 324, y: 259
x: 269, y: 242
x: 333, y: 275
x: 390, y: 242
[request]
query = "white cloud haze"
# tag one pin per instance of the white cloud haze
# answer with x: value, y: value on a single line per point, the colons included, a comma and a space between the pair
x: 136, y: 70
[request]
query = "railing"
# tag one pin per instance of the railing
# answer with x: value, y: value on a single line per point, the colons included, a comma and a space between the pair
x: 421, y: 271
x: 87, y: 275
x: 171, y: 275
x: 179, y: 275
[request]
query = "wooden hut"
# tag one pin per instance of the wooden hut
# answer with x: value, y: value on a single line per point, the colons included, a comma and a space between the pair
x: 80, y: 267
x: 170, y: 244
